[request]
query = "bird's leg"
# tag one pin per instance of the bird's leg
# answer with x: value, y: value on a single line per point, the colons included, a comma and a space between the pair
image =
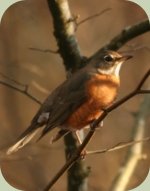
x: 100, y: 125
x: 78, y: 136
x: 80, y: 140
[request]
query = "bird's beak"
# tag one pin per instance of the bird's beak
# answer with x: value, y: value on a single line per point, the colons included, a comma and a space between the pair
x: 125, y: 57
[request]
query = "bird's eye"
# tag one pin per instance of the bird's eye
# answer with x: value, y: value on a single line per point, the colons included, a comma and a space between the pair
x: 108, y: 58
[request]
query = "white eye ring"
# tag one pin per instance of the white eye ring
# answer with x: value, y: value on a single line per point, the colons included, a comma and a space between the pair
x: 108, y: 58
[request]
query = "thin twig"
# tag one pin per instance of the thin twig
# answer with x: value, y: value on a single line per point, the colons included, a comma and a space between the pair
x: 118, y: 146
x: 133, y: 93
x: 143, y: 80
x: 114, y: 44
x: 77, y: 154
x: 12, y: 80
x: 93, y: 16
x: 25, y: 91
x: 71, y: 54
x: 44, y: 50
x: 45, y: 149
x: 135, y: 152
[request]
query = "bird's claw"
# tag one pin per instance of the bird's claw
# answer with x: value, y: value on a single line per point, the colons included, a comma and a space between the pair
x: 83, y: 154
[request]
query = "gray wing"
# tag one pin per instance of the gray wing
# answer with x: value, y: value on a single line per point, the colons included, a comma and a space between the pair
x: 56, y: 108
x: 63, y: 101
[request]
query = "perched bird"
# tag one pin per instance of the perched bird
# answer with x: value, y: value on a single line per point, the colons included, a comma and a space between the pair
x: 78, y: 101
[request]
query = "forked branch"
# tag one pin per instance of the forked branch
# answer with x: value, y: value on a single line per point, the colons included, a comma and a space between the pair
x: 24, y: 91
x: 77, y: 154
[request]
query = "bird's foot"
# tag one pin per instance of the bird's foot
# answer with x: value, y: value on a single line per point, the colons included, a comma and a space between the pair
x: 83, y: 154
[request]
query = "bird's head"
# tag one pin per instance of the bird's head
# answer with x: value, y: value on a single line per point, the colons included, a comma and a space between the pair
x: 110, y: 62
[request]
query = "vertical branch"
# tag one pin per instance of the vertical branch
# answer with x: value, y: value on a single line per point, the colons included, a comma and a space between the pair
x: 64, y: 32
x: 69, y: 50
x: 134, y: 154
x: 78, y: 173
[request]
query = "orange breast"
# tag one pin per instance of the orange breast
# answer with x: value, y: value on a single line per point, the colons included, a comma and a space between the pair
x: 101, y: 92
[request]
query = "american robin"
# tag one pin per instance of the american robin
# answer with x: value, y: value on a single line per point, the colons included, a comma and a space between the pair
x: 79, y: 100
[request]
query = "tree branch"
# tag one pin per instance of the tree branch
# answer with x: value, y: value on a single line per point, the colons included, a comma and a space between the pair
x: 24, y: 91
x: 93, y: 16
x: 114, y: 44
x: 77, y: 154
x: 44, y: 50
x: 64, y: 29
x: 12, y: 80
x: 119, y: 146
x: 70, y: 52
x: 142, y: 28
x: 134, y: 153
x: 126, y: 35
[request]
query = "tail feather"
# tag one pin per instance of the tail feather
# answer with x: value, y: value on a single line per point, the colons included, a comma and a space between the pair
x: 59, y: 135
x: 22, y: 142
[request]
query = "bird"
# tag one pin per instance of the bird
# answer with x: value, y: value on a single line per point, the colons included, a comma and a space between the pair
x: 78, y: 101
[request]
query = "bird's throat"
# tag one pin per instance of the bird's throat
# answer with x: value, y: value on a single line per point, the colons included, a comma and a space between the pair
x: 111, y: 71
